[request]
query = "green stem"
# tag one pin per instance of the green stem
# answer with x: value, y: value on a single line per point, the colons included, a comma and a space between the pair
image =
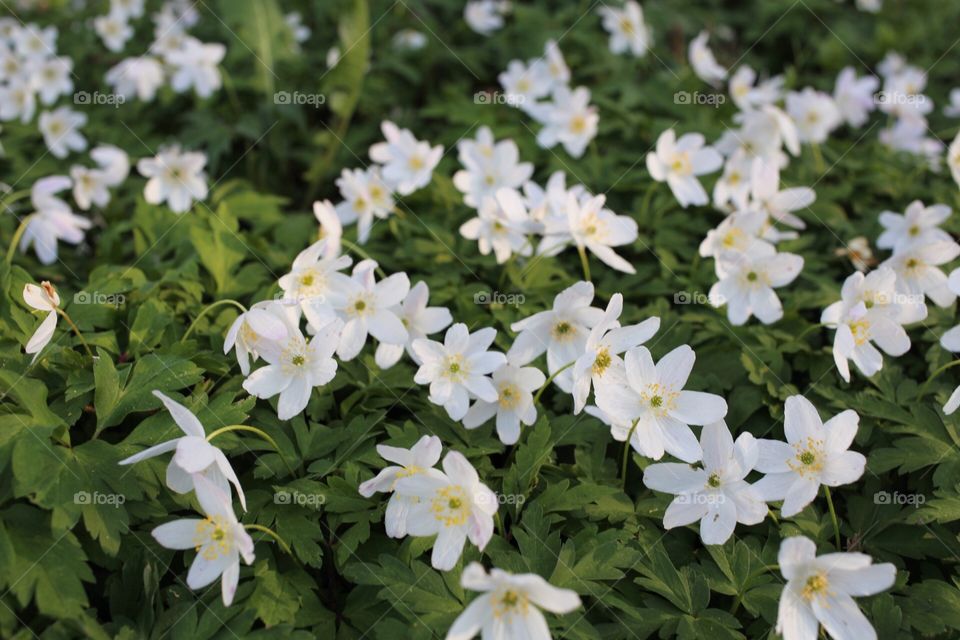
x: 499, y: 525
x: 833, y: 516
x: 736, y: 605
x: 923, y: 389
x: 809, y: 330
x: 584, y: 262
x: 271, y: 533
x: 263, y: 434
x: 546, y: 384
x: 363, y: 254
x: 626, y: 455
x: 12, y: 249
x: 13, y: 197
x: 76, y: 330
x: 210, y: 307
x: 817, y: 158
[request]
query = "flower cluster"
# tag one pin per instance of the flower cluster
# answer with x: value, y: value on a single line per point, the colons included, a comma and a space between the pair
x: 540, y: 87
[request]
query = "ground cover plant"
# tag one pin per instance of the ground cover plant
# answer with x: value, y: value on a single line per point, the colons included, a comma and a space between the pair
x: 372, y: 319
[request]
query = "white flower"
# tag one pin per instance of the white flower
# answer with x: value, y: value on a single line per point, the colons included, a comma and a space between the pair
x: 33, y: 42
x: 738, y: 232
x: 52, y: 220
x: 331, y: 229
x: 366, y: 196
x: 419, y: 320
x: 732, y: 190
x: 61, y: 131
x: 909, y: 135
x: 488, y: 166
x: 408, y: 162
x: 140, y: 77
x: 220, y: 541
x: 859, y: 252
x: 951, y: 339
x: 485, y: 16
x: 369, y: 307
x: 601, y: 362
x: 315, y: 273
x: 902, y: 98
x: 295, y: 367
x: 114, y: 163
x: 264, y: 322
x: 556, y: 65
x: 918, y: 270
x: 409, y: 40
x: 871, y: 310
x: 175, y: 177
x: 953, y: 158
x: 717, y: 495
x: 763, y: 133
x: 514, y: 403
x: 747, y: 96
x: 627, y: 29
x: 525, y: 84
x: 333, y: 57
x: 703, y: 62
x: 815, y: 114
x: 299, y: 31
x: 42, y: 298
x: 594, y: 228
x: 855, y: 96
x: 128, y: 8
x: 767, y: 196
x: 458, y: 368
x: 952, y: 110
x: 815, y: 453
x: 748, y: 279
x: 568, y: 119
x: 917, y: 226
x: 678, y: 162
x: 420, y: 458
x: 194, y: 456
x: 502, y: 226
x: 820, y: 591
x: 195, y: 66
x: 510, y: 605
x: 89, y: 187
x: 561, y: 331
x: 114, y: 30
x: 654, y: 410
x: 549, y: 206
x: 454, y: 507
x: 52, y: 78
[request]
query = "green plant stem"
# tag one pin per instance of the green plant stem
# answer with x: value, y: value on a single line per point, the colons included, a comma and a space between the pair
x: 818, y: 158
x: 210, y: 307
x: 809, y: 330
x: 12, y: 249
x: 363, y: 254
x: 273, y: 534
x: 833, y: 516
x: 76, y: 330
x: 553, y: 376
x: 923, y: 389
x: 14, y: 196
x: 260, y: 432
x: 584, y: 262
x: 500, y: 525
x: 626, y: 455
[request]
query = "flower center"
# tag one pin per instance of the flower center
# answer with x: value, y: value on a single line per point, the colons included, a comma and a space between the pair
x: 659, y: 399
x: 914, y: 230
x: 416, y: 163
x: 714, y: 480
x: 454, y: 368
x: 297, y: 360
x: 509, y: 396
x: 563, y: 331
x: 450, y: 506
x: 212, y: 538
x: 578, y: 124
x: 602, y: 361
x: 809, y: 458
x: 861, y: 331
x: 816, y: 586
x: 681, y: 164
